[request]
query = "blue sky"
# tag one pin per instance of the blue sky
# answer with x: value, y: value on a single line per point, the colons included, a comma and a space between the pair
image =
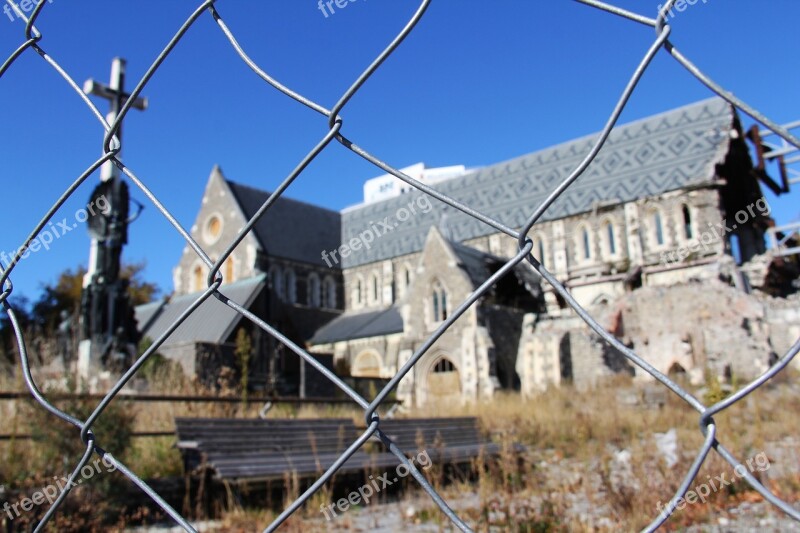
x: 476, y: 83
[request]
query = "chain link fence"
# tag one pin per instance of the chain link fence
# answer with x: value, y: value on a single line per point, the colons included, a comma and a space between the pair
x: 31, y: 45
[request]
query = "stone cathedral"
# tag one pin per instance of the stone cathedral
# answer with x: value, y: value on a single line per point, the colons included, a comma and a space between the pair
x: 661, y: 239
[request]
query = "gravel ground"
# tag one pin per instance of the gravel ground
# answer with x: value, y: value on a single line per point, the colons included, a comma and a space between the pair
x: 760, y: 517
x: 584, y: 501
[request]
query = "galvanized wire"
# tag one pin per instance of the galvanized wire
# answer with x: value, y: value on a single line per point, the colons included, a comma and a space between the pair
x: 32, y: 37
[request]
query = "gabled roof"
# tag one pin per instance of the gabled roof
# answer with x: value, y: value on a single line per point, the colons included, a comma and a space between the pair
x: 146, y: 314
x: 360, y: 325
x: 661, y: 153
x: 212, y: 322
x: 475, y: 262
x: 480, y: 266
x: 477, y: 265
x: 290, y: 229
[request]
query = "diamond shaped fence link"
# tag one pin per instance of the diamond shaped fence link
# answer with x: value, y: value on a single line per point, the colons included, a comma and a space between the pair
x: 32, y: 38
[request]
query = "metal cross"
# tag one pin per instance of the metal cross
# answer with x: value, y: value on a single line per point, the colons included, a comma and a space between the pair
x: 106, y: 312
x: 115, y: 93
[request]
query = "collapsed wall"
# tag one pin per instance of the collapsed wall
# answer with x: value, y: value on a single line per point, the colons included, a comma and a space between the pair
x: 698, y: 326
x: 693, y: 327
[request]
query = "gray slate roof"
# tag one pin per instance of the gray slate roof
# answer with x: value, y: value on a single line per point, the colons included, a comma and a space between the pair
x: 212, y: 322
x: 360, y: 325
x: 643, y: 158
x: 475, y: 262
x: 480, y: 265
x: 147, y: 313
x: 290, y: 229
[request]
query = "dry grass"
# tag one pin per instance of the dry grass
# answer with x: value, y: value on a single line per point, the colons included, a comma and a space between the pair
x: 570, y: 478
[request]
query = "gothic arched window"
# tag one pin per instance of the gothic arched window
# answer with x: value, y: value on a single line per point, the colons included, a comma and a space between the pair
x: 229, y: 270
x: 540, y: 248
x: 612, y: 243
x: 313, y: 286
x: 444, y: 365
x: 358, y: 296
x: 438, y: 302
x: 197, y: 279
x: 375, y: 292
x: 329, y: 293
x: 587, y: 244
x: 687, y: 221
x: 277, y: 281
x: 290, y: 285
x: 658, y: 227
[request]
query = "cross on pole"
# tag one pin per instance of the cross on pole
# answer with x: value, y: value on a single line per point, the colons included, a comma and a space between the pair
x: 115, y: 93
x: 113, y: 224
x: 106, y: 311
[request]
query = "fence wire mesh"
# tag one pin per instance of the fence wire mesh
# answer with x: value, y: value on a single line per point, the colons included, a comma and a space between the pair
x: 30, y: 44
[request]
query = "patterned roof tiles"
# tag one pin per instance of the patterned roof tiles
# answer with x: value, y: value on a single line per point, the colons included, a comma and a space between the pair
x: 647, y: 157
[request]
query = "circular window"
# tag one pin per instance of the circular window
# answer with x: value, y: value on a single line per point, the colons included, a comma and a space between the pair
x: 213, y: 229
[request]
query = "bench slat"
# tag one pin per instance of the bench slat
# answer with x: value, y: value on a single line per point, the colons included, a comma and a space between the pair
x: 270, y: 449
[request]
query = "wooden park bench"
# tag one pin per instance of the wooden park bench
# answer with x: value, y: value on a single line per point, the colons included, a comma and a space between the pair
x: 446, y: 440
x: 268, y: 449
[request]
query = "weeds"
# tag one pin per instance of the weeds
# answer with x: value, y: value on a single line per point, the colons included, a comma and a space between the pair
x: 570, y: 459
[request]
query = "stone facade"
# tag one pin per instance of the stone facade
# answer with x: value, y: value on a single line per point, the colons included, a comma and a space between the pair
x: 300, y: 294
x: 218, y: 223
x: 599, y: 255
x: 463, y: 363
x: 618, y: 238
x: 611, y: 254
x: 645, y: 240
x: 685, y: 328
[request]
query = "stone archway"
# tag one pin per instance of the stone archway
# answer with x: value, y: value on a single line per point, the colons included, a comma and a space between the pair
x: 443, y: 381
x: 367, y: 364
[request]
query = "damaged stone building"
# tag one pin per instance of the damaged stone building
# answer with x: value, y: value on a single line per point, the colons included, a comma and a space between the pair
x: 662, y: 239
x: 276, y: 272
